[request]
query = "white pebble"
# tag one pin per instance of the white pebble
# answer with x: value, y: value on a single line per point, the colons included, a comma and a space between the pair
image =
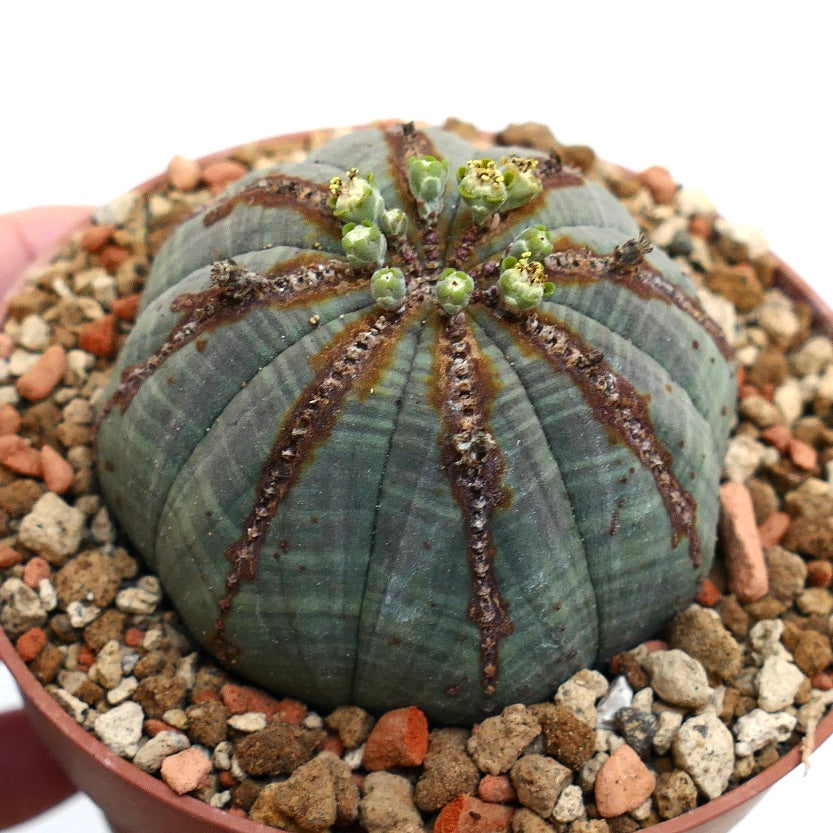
x: 220, y: 799
x: 778, y: 682
x: 814, y: 356
x: 149, y: 758
x: 721, y: 311
x: 22, y: 360
x: 678, y: 678
x: 121, y: 728
x: 668, y: 723
x: 136, y: 600
x: 618, y: 696
x: 313, y: 720
x: 75, y: 708
x: 789, y: 398
x: 744, y: 456
x: 221, y: 756
x: 745, y: 235
x: 52, y: 529
x: 80, y: 614
x: 176, y: 718
x: 765, y: 639
x: 248, y: 722
x: 354, y: 757
x: 123, y: 691
x: 106, y: 670
x: 5, y: 375
x: 570, y: 804
x: 693, y: 201
x: 704, y: 748
x: 80, y: 362
x: 643, y: 700
x: 20, y: 607
x: 580, y: 692
x: 34, y: 333
x: 757, y: 729
x: 9, y: 395
x: 47, y: 594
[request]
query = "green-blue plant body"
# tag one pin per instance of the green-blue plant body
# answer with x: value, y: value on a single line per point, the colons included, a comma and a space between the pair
x: 438, y: 503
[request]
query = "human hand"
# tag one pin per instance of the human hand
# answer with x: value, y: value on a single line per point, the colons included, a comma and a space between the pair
x: 32, y: 781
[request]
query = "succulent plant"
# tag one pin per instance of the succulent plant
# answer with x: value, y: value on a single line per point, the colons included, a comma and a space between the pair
x: 388, y: 441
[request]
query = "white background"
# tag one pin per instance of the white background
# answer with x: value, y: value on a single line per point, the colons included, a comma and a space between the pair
x: 732, y: 97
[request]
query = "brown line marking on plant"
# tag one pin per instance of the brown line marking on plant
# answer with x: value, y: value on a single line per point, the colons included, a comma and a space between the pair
x: 618, y: 406
x: 354, y: 359
x: 233, y: 293
x: 282, y: 190
x: 573, y: 264
x: 464, y: 396
x: 404, y: 142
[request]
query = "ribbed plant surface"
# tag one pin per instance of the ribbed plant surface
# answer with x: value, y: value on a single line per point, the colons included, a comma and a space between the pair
x: 365, y: 479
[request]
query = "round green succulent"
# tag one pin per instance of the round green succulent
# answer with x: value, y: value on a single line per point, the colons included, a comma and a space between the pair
x: 383, y: 444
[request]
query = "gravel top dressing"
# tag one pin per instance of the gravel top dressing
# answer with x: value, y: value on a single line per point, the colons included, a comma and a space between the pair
x: 738, y: 678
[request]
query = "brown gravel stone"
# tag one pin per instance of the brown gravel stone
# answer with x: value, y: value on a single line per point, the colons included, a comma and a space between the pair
x: 528, y: 135
x: 157, y: 694
x: 448, y: 771
x: 819, y: 573
x: 9, y: 419
x: 353, y: 725
x: 538, y: 781
x: 496, y: 743
x: 787, y: 573
x: 89, y: 577
x: 633, y: 671
x: 567, y: 737
x: 48, y: 663
x: 702, y: 635
x: 812, y: 652
x: 770, y: 367
x: 817, y: 600
x: 245, y: 793
x: 107, y: 627
x: 810, y: 537
x: 18, y: 498
x: 764, y: 498
x: 525, y: 821
x: 279, y: 749
x: 207, y: 722
x: 767, y: 607
x: 739, y: 284
x: 156, y: 663
x: 675, y: 793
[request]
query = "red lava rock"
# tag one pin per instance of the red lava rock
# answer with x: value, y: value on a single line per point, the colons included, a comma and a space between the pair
x: 496, y: 789
x: 153, y: 726
x: 659, y: 182
x: 99, y: 337
x: 819, y: 573
x: 57, y: 472
x: 741, y: 544
x: 399, y: 738
x: 186, y: 771
x: 111, y: 257
x: 30, y: 644
x: 291, y: 711
x: 226, y: 780
x: 332, y: 743
x: 467, y: 814
x: 36, y: 568
x: 134, y: 637
x: 183, y: 173
x: 94, y: 237
x: 774, y: 528
x: 205, y: 696
x: 125, y: 309
x: 239, y: 699
x: 85, y: 658
x: 40, y: 380
x: 700, y: 227
x: 9, y: 419
x: 622, y: 783
x: 709, y: 594
x: 17, y: 455
x: 803, y: 455
x: 822, y: 681
x: 9, y: 557
x: 778, y: 435
x: 218, y: 175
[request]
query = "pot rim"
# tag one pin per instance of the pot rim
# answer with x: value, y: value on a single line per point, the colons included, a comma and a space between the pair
x: 38, y: 700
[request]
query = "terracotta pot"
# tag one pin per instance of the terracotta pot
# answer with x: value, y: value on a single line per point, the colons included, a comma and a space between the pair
x: 135, y: 802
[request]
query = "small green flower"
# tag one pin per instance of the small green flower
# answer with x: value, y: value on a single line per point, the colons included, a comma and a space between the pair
x: 535, y: 240
x: 364, y: 244
x: 453, y: 290
x: 354, y: 199
x: 387, y: 285
x: 394, y: 223
x: 521, y: 284
x: 522, y: 184
x: 427, y: 179
x: 482, y: 186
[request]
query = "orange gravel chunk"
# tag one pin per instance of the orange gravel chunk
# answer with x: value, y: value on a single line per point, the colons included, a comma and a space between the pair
x: 94, y: 237
x: 291, y: 711
x: 111, y: 257
x: 40, y: 380
x: 17, y: 455
x: 9, y: 419
x: 186, y: 771
x: 30, y: 644
x: 819, y: 573
x: 773, y: 529
x: 622, y: 783
x: 709, y: 594
x: 778, y: 435
x: 496, y: 789
x: 218, y: 175
x: 99, y: 337
x: 125, y: 309
x: 9, y: 557
x: 748, y: 578
x: 399, y: 738
x: 57, y: 472
x: 239, y: 699
x: 35, y: 571
x: 467, y: 814
x: 803, y: 455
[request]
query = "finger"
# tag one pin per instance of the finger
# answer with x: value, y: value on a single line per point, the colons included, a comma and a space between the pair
x: 26, y: 234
